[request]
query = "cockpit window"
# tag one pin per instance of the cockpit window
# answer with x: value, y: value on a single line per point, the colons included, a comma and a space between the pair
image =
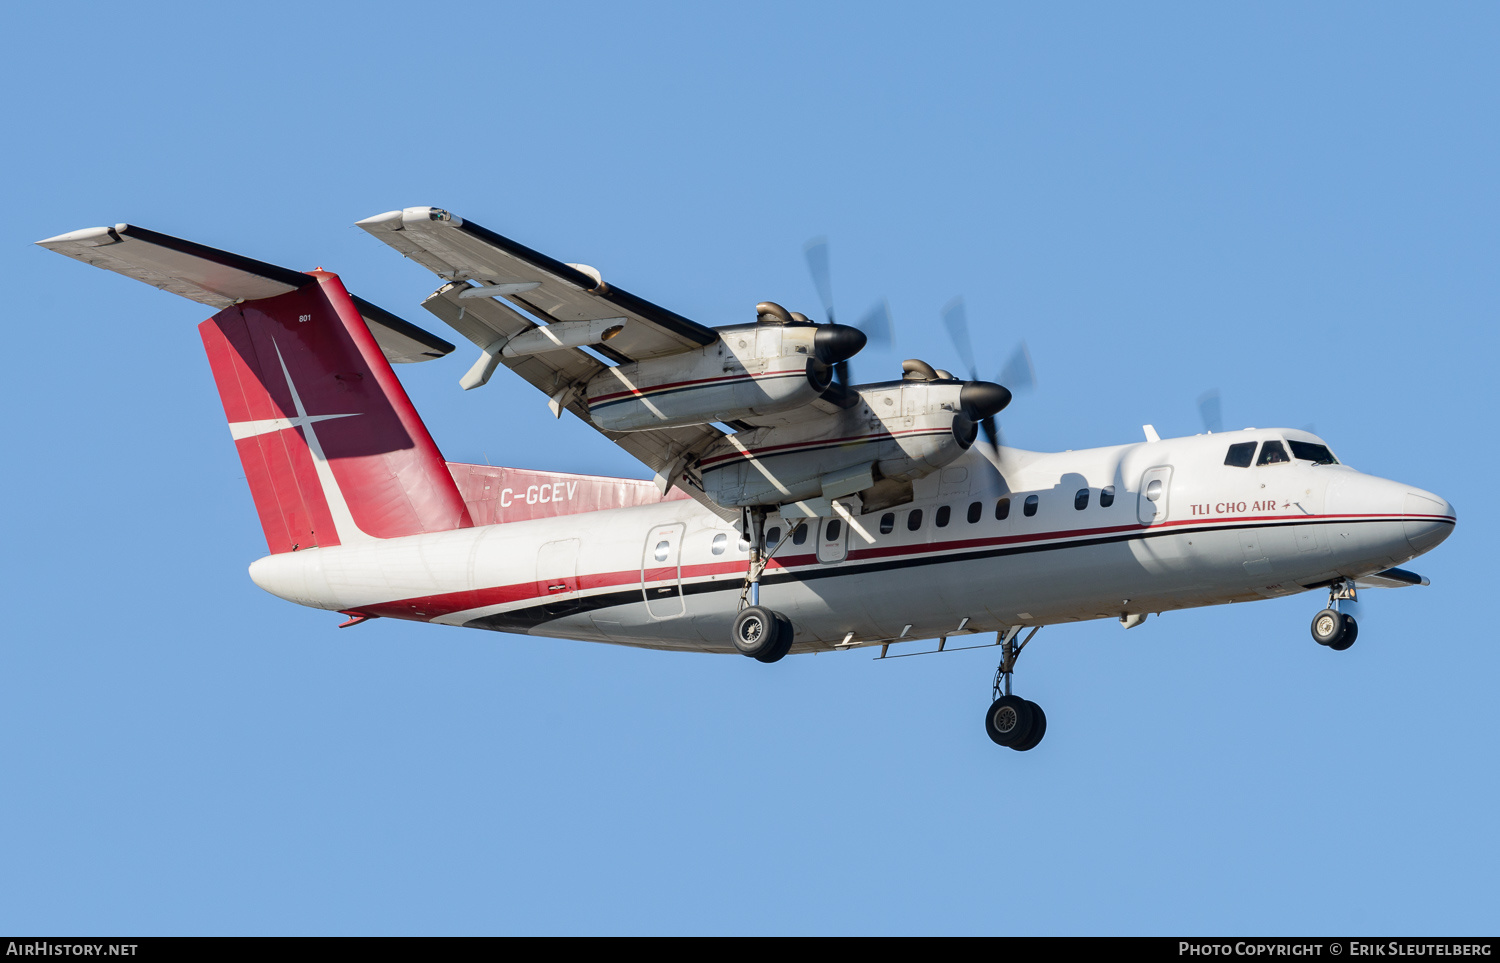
x: 1317, y: 454
x: 1240, y: 455
x: 1272, y: 453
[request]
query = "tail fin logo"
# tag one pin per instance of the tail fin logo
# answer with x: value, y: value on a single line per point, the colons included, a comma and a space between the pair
x: 343, y: 519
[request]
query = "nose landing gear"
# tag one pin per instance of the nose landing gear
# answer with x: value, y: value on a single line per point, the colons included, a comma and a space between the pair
x: 1333, y: 628
x: 1010, y: 720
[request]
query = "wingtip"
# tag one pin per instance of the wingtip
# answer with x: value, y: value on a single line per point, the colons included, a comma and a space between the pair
x: 398, y: 220
x: 86, y: 237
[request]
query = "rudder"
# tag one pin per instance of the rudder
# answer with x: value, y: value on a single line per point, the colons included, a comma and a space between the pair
x: 332, y: 448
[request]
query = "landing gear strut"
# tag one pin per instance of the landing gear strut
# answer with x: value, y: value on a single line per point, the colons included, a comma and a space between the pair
x: 1333, y: 628
x: 761, y: 633
x: 1013, y: 721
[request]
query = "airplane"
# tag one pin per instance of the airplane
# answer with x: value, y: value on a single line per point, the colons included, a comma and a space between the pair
x: 790, y: 511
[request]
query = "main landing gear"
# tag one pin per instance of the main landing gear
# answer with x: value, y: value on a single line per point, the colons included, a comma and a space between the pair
x: 1011, y: 720
x: 1333, y: 628
x: 761, y: 633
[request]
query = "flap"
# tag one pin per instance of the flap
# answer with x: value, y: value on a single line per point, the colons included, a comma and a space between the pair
x: 561, y: 374
x: 548, y: 289
x: 1391, y: 578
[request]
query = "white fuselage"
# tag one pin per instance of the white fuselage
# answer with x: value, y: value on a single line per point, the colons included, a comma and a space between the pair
x: 670, y: 575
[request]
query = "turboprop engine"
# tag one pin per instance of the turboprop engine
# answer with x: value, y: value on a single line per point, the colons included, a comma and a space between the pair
x: 880, y: 438
x: 779, y: 363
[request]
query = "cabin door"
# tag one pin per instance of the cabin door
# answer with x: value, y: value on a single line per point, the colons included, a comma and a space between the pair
x: 1156, y: 485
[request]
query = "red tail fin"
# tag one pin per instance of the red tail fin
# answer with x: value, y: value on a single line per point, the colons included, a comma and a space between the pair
x: 332, y: 447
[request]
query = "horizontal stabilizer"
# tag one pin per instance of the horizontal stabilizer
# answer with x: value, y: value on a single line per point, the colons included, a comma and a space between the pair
x: 220, y: 279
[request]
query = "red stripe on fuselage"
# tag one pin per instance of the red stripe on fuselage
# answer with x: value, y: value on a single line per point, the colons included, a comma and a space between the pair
x: 434, y: 606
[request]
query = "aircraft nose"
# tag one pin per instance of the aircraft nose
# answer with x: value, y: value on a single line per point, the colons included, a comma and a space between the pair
x: 1428, y: 519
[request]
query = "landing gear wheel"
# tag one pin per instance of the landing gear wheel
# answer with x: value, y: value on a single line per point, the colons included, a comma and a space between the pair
x: 1008, y: 720
x: 1038, y: 729
x: 757, y: 633
x: 1350, y: 633
x: 1328, y: 627
x: 784, y: 626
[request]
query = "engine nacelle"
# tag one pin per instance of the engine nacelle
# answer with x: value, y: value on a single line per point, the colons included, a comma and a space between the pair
x: 898, y: 430
x: 753, y: 370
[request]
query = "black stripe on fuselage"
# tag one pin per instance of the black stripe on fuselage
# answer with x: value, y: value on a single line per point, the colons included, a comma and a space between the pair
x: 524, y: 619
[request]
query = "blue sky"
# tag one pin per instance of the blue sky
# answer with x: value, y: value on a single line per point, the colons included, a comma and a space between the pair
x: 1295, y: 205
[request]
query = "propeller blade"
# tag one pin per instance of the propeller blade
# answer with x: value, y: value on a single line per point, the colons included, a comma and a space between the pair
x: 816, y: 252
x: 956, y: 318
x: 876, y: 324
x: 991, y: 432
x: 1019, y: 374
x: 841, y: 373
x: 1211, y: 409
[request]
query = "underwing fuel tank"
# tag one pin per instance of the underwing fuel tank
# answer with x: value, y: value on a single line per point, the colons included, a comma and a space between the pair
x: 752, y: 370
x: 898, y: 431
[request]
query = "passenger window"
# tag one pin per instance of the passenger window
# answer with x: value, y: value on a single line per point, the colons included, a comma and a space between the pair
x: 721, y: 542
x: 943, y: 514
x: 799, y: 537
x: 887, y: 523
x: 1317, y: 454
x: 914, y: 520
x: 1002, y: 509
x: 1272, y: 453
x: 1240, y: 455
x: 975, y: 510
x: 1081, y: 500
x: 1106, y: 496
x: 1030, y: 506
x: 833, y: 530
x: 661, y: 551
x: 1153, y: 490
x: 773, y: 535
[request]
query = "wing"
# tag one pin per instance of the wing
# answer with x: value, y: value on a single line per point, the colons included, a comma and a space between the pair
x: 561, y: 374
x: 218, y: 279
x: 459, y: 250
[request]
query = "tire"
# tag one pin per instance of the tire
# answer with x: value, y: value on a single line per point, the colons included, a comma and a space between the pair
x: 1008, y: 720
x: 1038, y: 729
x: 757, y: 632
x: 784, y: 626
x: 1351, y: 632
x: 1328, y: 627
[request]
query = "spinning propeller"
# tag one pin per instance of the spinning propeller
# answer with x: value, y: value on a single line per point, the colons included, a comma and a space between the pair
x: 1018, y: 374
x: 1211, y: 409
x: 876, y: 323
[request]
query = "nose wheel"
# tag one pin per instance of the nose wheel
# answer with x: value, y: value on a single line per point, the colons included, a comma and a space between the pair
x: 1012, y: 721
x: 1333, y: 628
